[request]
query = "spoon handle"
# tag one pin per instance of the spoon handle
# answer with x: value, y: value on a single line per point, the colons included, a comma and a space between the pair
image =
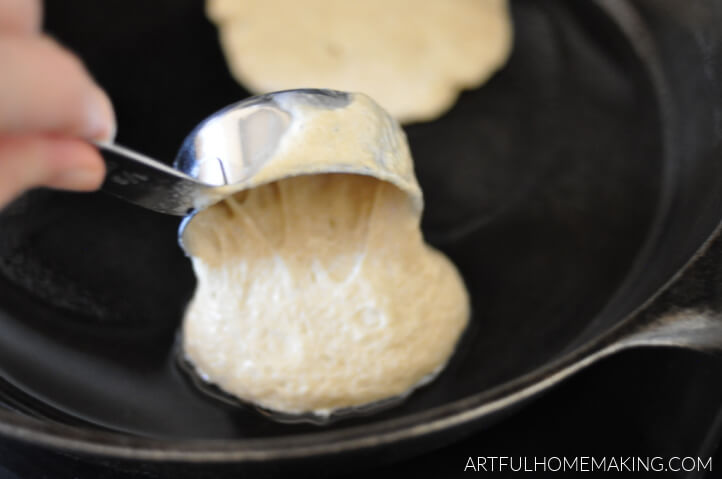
x: 149, y: 183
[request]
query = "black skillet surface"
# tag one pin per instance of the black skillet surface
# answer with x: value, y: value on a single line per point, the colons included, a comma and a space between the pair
x: 674, y: 411
x: 577, y: 149
x: 543, y: 186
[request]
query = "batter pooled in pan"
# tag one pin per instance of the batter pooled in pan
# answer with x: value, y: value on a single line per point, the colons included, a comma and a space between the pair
x: 413, y: 57
x: 316, y: 290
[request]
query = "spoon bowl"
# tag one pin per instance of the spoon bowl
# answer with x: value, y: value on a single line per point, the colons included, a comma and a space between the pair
x: 224, y: 149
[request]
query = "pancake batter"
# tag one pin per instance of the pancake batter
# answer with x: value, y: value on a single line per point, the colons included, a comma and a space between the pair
x: 316, y: 290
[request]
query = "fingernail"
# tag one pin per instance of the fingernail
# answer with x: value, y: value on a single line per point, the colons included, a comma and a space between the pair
x: 101, y: 117
x: 77, y: 179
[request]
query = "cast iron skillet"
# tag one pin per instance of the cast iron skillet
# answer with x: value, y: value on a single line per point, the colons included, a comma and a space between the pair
x: 570, y: 191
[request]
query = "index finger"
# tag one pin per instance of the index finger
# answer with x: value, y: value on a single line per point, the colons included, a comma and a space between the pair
x: 46, y: 89
x: 20, y: 16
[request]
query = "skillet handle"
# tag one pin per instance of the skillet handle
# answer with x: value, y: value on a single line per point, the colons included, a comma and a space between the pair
x: 699, y: 329
x: 688, y: 313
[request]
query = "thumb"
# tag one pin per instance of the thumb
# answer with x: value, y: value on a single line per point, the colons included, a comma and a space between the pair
x: 30, y: 161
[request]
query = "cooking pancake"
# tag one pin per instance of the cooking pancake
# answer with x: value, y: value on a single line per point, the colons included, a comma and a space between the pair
x: 412, y: 57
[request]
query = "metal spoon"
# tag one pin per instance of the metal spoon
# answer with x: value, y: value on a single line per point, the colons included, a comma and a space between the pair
x: 223, y: 149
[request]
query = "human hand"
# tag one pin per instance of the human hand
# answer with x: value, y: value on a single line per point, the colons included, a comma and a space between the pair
x: 49, y: 107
